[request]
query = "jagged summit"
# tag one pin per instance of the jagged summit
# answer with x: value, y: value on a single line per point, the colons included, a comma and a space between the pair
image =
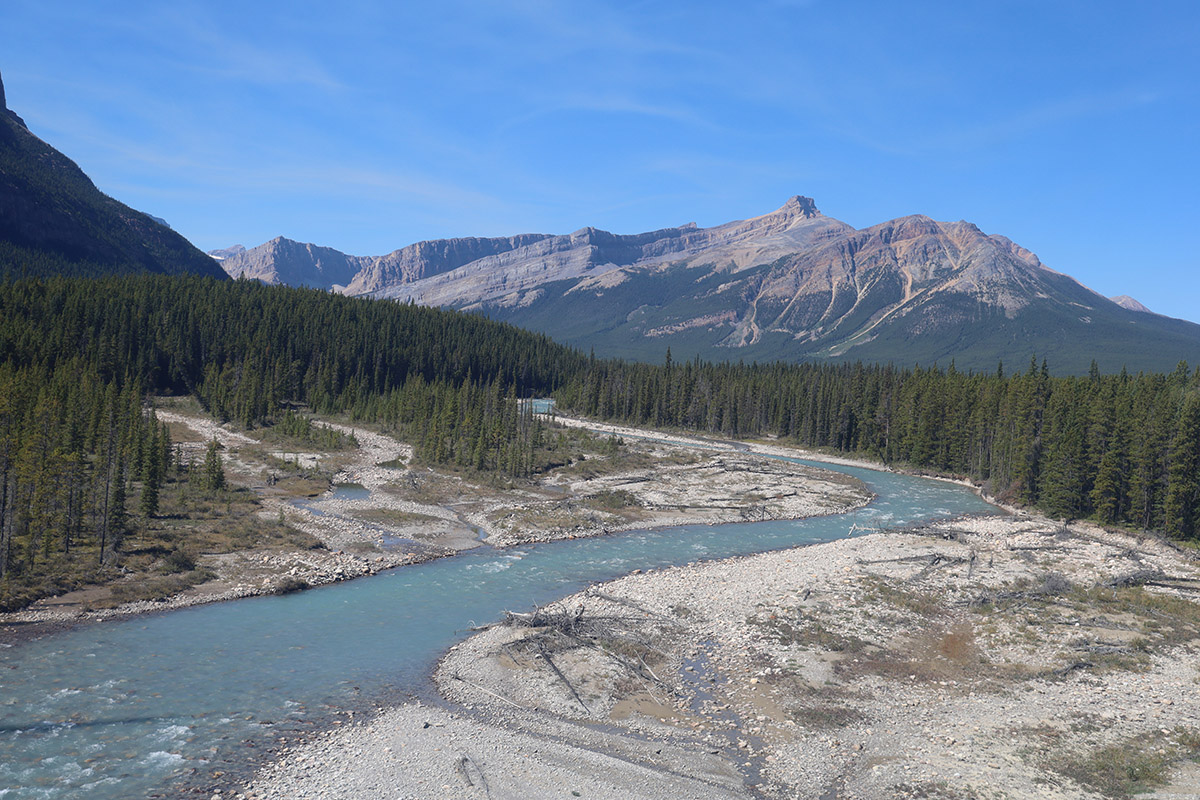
x: 5, y: 110
x: 801, y: 205
x: 797, y: 209
x: 282, y: 260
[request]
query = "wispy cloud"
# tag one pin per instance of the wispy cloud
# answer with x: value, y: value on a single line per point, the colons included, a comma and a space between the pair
x: 610, y: 103
x: 1031, y: 120
x: 200, y: 44
x: 910, y: 136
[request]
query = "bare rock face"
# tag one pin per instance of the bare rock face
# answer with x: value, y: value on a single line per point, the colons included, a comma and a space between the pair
x: 428, y: 258
x: 293, y: 263
x: 227, y: 252
x: 789, y: 284
x: 467, y: 271
x: 507, y: 276
x: 1127, y: 302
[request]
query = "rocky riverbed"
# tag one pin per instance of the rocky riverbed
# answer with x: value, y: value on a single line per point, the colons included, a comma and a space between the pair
x: 382, y: 511
x: 1006, y: 656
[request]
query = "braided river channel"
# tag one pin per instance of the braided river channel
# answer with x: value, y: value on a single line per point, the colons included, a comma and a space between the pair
x: 143, y: 707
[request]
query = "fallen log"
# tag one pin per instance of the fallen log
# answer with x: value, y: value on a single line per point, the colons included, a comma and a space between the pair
x: 554, y: 668
x: 457, y: 677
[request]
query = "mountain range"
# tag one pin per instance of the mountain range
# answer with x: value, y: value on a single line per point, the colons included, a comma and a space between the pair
x: 792, y: 284
x: 53, y: 219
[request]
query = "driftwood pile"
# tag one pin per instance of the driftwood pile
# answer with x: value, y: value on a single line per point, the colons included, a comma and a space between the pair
x: 626, y: 639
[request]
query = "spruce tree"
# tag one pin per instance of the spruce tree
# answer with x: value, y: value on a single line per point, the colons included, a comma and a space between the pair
x: 1181, y: 508
x: 214, y: 468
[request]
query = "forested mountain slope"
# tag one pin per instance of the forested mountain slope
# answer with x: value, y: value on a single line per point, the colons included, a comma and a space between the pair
x: 54, y: 221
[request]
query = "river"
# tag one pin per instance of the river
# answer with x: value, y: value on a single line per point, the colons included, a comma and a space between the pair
x: 133, y: 708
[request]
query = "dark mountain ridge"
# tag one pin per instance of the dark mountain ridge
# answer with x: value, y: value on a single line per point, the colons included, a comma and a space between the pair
x: 53, y: 219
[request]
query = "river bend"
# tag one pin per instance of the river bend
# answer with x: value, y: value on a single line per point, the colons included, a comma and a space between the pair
x: 131, y: 708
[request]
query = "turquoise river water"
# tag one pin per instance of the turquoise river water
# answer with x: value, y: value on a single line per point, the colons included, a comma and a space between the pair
x: 139, y: 707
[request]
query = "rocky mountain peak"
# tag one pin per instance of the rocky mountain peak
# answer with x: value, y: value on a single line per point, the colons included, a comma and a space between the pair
x: 799, y: 213
x: 799, y: 206
x: 3, y: 102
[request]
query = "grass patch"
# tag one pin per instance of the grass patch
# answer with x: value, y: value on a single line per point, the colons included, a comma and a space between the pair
x: 809, y: 634
x: 1147, y: 620
x: 926, y: 790
x: 558, y: 516
x: 1127, y: 768
x: 822, y: 707
x: 825, y: 716
x: 939, y: 652
x: 614, y: 500
x: 160, y: 588
x: 926, y: 606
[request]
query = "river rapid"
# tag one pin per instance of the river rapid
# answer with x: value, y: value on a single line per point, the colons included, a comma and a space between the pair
x: 144, y: 706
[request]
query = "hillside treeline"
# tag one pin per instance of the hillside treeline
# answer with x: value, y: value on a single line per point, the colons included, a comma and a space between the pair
x: 79, y: 357
x: 243, y: 348
x: 1119, y: 448
x: 81, y: 457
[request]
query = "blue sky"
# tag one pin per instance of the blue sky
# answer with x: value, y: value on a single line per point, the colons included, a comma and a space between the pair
x: 1070, y: 127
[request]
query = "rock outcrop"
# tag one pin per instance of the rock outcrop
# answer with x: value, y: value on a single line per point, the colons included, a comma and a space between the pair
x: 1127, y: 302
x: 292, y: 263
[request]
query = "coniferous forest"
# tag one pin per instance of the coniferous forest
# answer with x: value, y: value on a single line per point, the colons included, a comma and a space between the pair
x: 1118, y: 448
x: 82, y: 456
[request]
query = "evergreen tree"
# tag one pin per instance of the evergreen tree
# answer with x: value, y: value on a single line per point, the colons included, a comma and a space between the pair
x: 1109, y: 491
x: 214, y: 468
x: 118, y: 514
x: 1182, y: 505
